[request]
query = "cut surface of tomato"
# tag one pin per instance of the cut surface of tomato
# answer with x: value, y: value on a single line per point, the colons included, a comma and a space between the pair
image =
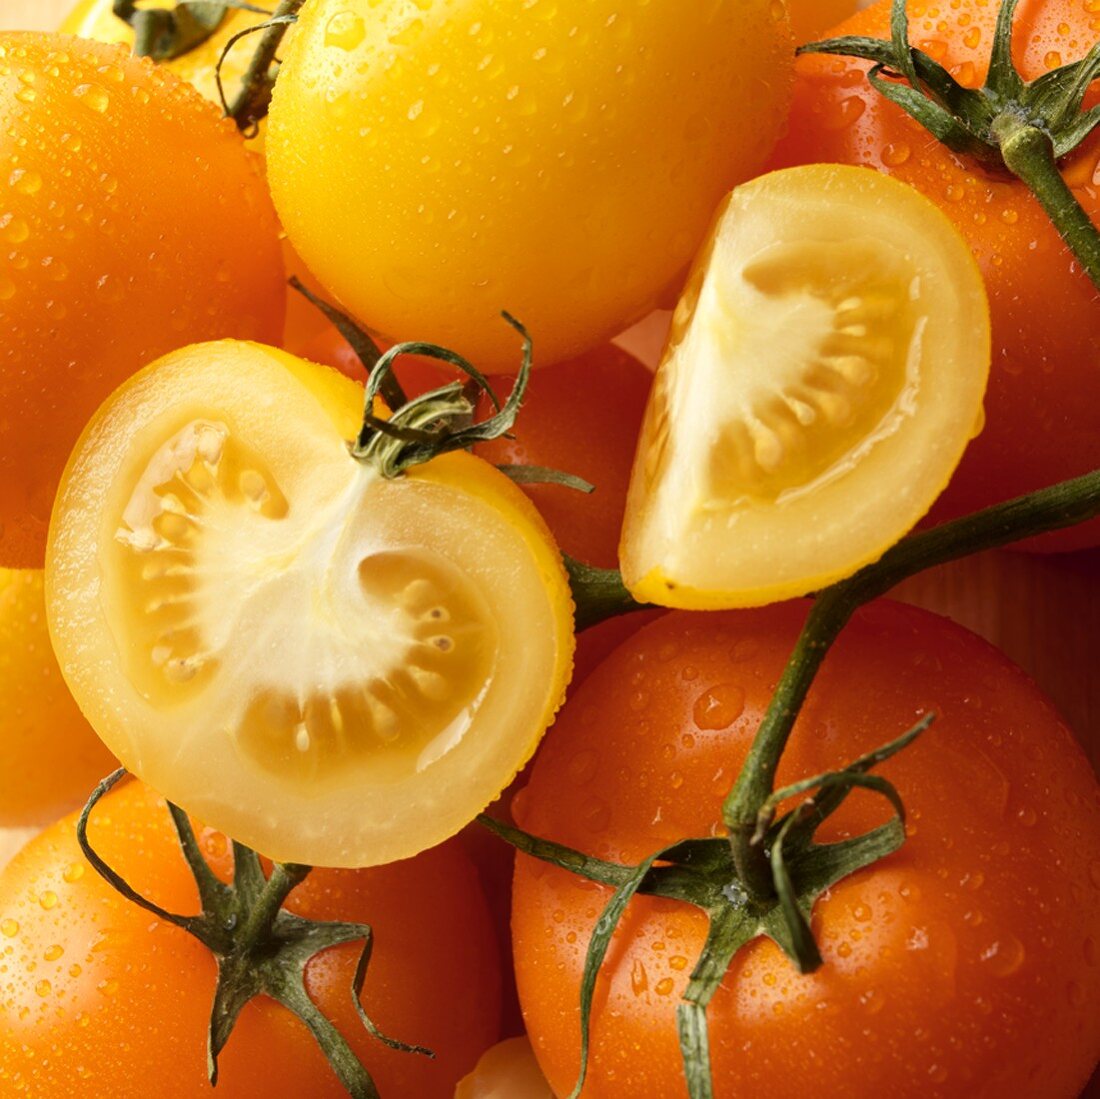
x: 824, y: 373
x: 333, y: 667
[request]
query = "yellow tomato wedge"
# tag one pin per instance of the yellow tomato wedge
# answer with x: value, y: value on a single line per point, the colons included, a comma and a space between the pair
x: 332, y: 667
x: 824, y: 373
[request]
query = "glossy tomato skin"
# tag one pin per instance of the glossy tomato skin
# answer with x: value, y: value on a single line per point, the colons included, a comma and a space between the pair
x: 582, y: 417
x: 50, y: 758
x: 1043, y: 404
x: 135, y: 222
x: 567, y: 158
x: 810, y: 19
x: 99, y: 998
x: 961, y: 966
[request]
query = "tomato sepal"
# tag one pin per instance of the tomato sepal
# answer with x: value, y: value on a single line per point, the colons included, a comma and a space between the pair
x: 163, y: 34
x: 1008, y: 124
x: 260, y: 947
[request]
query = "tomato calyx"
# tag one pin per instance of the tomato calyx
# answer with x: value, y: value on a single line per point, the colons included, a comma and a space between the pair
x: 164, y: 34
x: 441, y: 420
x: 1008, y: 124
x: 764, y: 876
x: 260, y: 947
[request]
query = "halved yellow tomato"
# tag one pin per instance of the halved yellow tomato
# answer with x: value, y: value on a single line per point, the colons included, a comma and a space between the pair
x: 330, y: 666
x: 825, y: 372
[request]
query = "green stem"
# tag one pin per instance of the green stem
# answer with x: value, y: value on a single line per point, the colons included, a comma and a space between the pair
x: 250, y: 104
x: 598, y: 594
x: 1062, y: 505
x: 285, y: 877
x: 1029, y: 155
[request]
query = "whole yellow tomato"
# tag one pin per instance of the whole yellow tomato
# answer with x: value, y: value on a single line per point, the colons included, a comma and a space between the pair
x: 434, y: 164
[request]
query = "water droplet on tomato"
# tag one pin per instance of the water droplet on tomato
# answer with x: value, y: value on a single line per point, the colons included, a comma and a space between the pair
x: 345, y: 30
x: 1004, y: 955
x: 719, y: 707
x: 94, y: 96
x: 582, y: 767
x: 639, y: 979
x: 25, y: 181
x: 9, y: 928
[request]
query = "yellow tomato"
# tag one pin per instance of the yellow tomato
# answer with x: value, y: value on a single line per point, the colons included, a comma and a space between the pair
x: 332, y: 666
x: 49, y: 758
x: 436, y: 163
x: 825, y: 372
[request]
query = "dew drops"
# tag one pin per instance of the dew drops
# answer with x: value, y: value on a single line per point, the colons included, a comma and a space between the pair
x: 43, y: 988
x: 664, y: 986
x: 639, y: 978
x: 345, y: 31
x: 25, y: 182
x: 9, y: 928
x: 52, y: 953
x: 1004, y: 956
x: 93, y: 96
x: 48, y: 899
x: 582, y: 767
x: 719, y: 707
x: 895, y: 154
x: 1027, y: 816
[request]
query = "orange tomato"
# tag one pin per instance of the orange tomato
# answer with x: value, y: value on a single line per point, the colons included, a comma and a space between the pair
x: 127, y: 997
x: 1042, y: 406
x: 133, y: 222
x: 965, y: 964
x: 50, y: 759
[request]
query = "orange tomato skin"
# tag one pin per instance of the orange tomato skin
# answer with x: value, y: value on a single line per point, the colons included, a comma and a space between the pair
x: 811, y: 19
x: 50, y: 758
x: 99, y: 998
x: 582, y: 417
x: 961, y: 966
x: 1043, y: 403
x: 134, y: 222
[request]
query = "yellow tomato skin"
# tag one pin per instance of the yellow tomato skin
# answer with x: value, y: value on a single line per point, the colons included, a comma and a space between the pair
x: 49, y: 757
x: 435, y: 164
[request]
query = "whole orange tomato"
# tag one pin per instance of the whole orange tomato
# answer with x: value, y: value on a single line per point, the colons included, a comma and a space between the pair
x: 50, y: 758
x: 963, y: 965
x: 134, y: 222
x: 98, y: 998
x: 1043, y: 403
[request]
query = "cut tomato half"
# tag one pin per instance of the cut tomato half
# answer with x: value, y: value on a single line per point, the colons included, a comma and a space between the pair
x: 824, y: 373
x: 330, y: 666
